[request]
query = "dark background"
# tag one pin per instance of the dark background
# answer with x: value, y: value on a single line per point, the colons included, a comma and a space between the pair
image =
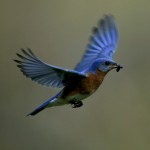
x: 116, y: 117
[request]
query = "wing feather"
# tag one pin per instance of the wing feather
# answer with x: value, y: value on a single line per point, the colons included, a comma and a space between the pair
x: 102, y: 44
x: 44, y: 73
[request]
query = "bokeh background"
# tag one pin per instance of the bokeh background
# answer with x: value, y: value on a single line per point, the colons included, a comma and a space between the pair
x: 116, y: 117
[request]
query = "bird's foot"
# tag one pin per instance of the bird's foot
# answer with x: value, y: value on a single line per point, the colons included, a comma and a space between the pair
x: 76, y: 104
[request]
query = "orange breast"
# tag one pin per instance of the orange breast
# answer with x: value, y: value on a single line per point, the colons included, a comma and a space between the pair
x: 92, y: 82
x: 86, y: 86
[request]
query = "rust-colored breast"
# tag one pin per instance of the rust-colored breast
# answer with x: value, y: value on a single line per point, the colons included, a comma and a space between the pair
x: 86, y: 86
x: 92, y: 82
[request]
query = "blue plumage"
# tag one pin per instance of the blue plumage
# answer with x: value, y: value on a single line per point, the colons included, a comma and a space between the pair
x: 44, y: 105
x: 43, y: 73
x: 88, y: 75
x: 102, y: 44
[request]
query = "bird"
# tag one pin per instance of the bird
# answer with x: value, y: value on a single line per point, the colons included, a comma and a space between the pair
x: 85, y: 78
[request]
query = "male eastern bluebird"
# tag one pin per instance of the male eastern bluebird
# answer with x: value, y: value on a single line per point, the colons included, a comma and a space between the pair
x: 88, y: 74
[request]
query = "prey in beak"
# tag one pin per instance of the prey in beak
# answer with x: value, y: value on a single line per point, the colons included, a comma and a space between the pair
x: 117, y: 67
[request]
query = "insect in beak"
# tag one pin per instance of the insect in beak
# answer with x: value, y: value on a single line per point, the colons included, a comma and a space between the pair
x: 117, y: 67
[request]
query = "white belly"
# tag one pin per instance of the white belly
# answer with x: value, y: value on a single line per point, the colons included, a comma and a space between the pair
x: 60, y: 101
x: 78, y: 97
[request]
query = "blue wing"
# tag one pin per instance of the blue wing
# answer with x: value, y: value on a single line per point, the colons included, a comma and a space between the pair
x: 103, y: 43
x: 43, y: 73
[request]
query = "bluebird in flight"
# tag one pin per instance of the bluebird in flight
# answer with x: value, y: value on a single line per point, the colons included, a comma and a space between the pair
x: 87, y: 76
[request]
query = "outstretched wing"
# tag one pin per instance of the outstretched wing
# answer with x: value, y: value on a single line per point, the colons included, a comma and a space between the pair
x: 102, y: 44
x: 43, y: 73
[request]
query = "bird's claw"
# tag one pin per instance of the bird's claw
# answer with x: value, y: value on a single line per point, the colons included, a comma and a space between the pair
x: 76, y: 104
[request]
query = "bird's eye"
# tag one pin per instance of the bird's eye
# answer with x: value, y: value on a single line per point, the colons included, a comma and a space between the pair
x: 107, y: 63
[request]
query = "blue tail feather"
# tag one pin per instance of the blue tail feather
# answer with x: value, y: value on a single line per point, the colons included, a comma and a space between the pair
x: 43, y: 106
x: 40, y: 108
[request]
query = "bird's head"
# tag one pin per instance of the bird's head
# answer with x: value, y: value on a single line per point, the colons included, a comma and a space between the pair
x: 105, y: 65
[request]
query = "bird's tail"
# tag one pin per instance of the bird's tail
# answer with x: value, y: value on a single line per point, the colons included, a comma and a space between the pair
x: 44, y: 105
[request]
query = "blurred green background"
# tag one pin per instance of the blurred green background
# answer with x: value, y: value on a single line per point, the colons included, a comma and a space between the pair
x: 116, y: 117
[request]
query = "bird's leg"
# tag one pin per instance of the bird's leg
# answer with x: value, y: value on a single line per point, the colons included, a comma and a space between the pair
x: 75, y: 104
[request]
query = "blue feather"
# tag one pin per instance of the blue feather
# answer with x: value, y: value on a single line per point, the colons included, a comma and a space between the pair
x: 103, y: 43
x: 43, y: 73
x: 44, y: 105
